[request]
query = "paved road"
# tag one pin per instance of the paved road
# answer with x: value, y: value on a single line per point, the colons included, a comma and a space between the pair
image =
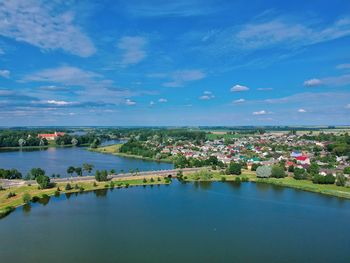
x: 164, y: 173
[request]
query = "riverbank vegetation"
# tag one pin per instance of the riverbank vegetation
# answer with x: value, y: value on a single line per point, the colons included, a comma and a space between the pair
x: 13, y: 197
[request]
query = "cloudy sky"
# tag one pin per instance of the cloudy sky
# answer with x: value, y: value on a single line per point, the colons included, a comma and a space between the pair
x: 184, y: 62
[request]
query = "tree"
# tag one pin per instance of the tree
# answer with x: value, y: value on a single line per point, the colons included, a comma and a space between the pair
x: 21, y: 142
x: 88, y: 168
x: 101, y: 176
x: 34, y: 173
x: 78, y: 171
x: 26, y: 198
x: 314, y: 169
x: 299, y: 174
x: 291, y: 168
x: 277, y: 171
x: 74, y: 141
x: 263, y: 171
x: 43, y: 181
x: 347, y: 170
x: 340, y: 180
x: 255, y: 166
x: 234, y: 168
x: 70, y: 170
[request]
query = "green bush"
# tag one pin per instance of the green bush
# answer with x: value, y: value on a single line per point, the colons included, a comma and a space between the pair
x: 223, y: 179
x: 26, y: 198
x: 277, y: 171
x: 340, y: 180
x: 263, y: 171
x: 68, y: 187
x: 11, y: 194
x: 237, y: 180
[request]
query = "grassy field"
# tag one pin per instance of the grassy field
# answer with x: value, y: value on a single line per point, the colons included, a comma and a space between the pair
x: 7, y: 204
x: 114, y: 149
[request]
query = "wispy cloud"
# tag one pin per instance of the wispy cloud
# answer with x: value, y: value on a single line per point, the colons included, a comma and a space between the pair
x: 39, y: 24
x: 207, y: 95
x: 261, y: 112
x: 313, y: 82
x: 239, y: 101
x: 302, y: 111
x: 133, y: 48
x: 5, y: 73
x: 162, y: 100
x: 341, y: 80
x: 239, y: 88
x: 343, y: 66
x: 179, y: 78
x: 179, y: 8
x: 264, y: 89
x: 130, y: 102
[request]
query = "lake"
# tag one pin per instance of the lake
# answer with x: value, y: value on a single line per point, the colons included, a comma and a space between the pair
x: 193, y: 222
x: 57, y: 160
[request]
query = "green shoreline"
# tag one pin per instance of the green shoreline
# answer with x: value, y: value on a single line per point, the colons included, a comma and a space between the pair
x: 113, y: 149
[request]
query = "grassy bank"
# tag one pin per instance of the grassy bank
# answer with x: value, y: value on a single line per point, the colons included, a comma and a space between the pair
x: 305, y: 185
x: 7, y: 205
x: 114, y: 149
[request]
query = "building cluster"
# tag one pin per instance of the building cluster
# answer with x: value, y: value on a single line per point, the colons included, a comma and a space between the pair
x: 265, y: 149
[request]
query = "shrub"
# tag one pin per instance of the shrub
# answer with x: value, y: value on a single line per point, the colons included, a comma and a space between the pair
x: 111, y: 184
x: 35, y: 199
x: 277, y: 171
x: 127, y: 185
x: 94, y: 184
x: 11, y: 194
x: 255, y: 166
x: 340, y: 180
x: 245, y: 179
x: 43, y: 181
x: 152, y: 180
x: 223, y: 179
x: 144, y: 180
x: 320, y: 179
x: 81, y: 189
x: 76, y: 187
x: 234, y: 168
x: 158, y: 179
x: 263, y: 171
x: 26, y: 198
x: 300, y: 174
x: 68, y: 187
x: 237, y: 180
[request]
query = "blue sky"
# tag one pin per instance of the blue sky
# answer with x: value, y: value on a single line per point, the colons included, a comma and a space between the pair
x: 179, y: 62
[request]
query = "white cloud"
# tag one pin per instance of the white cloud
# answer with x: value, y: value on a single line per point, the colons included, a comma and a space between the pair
x: 39, y: 24
x: 343, y: 66
x: 262, y: 112
x: 301, y: 110
x: 130, y: 102
x: 239, y: 88
x: 59, y: 102
x: 151, y: 103
x: 5, y: 73
x: 313, y: 83
x: 133, y: 48
x: 239, y: 101
x: 207, y: 95
x: 179, y: 78
x: 162, y: 100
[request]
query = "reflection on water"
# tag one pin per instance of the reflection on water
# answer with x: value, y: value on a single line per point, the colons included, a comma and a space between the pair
x: 226, y: 222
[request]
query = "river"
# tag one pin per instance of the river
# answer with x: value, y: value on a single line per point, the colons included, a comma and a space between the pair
x: 57, y: 160
x: 193, y: 222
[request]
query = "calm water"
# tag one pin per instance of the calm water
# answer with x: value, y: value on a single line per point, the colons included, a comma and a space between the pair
x: 57, y: 160
x: 218, y: 222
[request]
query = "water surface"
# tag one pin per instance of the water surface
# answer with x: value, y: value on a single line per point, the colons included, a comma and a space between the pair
x: 217, y: 222
x: 57, y: 160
